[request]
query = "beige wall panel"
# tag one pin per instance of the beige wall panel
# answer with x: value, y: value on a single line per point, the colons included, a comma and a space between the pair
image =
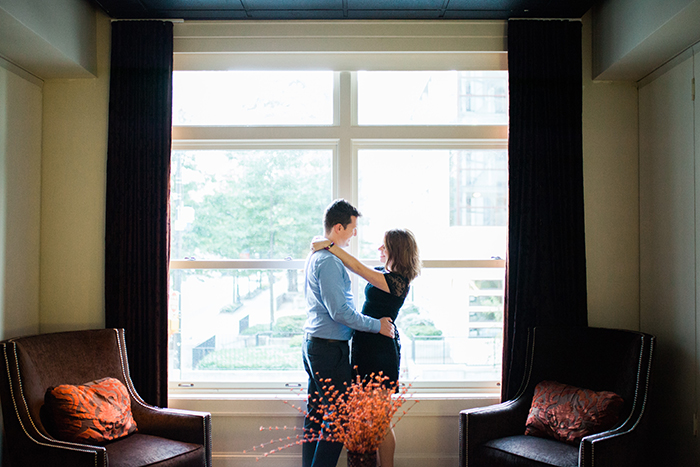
x: 73, y: 196
x: 611, y: 197
x: 667, y: 254
x: 20, y: 208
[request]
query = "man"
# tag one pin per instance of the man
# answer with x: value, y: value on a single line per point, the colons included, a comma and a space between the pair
x: 331, y: 319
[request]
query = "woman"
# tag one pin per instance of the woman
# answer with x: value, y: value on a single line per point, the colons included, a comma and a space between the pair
x: 385, y: 293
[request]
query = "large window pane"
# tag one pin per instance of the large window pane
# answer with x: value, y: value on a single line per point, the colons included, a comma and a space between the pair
x: 478, y: 188
x: 246, y: 325
x: 432, y: 97
x: 418, y: 189
x: 246, y: 98
x: 236, y: 325
x: 248, y: 204
x: 445, y: 336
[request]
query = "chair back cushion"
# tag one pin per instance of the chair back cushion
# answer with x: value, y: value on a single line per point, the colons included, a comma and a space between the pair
x: 75, y: 357
x: 567, y: 413
x: 597, y: 359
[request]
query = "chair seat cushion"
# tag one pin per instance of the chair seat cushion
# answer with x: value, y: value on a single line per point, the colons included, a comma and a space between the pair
x: 527, y: 451
x: 140, y: 449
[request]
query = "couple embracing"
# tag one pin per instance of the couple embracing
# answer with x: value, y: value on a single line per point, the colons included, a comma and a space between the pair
x: 332, y: 319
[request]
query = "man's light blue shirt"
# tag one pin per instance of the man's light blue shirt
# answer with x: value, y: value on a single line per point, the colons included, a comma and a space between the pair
x: 330, y: 309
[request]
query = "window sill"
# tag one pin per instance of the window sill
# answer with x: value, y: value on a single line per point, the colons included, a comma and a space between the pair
x: 212, y: 397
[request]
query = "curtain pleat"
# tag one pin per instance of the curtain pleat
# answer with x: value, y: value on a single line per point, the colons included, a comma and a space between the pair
x: 137, y: 211
x: 546, y: 263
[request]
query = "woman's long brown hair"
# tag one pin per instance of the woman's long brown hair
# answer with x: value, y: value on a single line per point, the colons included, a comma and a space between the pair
x: 402, y: 253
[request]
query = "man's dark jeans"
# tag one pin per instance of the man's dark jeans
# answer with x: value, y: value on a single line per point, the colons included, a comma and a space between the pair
x: 323, y: 360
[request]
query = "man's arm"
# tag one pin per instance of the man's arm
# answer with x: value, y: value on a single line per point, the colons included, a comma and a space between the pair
x: 371, y: 275
x: 387, y: 328
x: 332, y: 277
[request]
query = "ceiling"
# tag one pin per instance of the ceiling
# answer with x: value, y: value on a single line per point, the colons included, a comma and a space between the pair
x: 342, y: 9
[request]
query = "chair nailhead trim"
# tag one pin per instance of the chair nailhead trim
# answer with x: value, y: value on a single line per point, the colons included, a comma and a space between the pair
x: 19, y: 418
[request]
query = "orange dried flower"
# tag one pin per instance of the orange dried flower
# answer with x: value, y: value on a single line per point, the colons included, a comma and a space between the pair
x: 359, y: 418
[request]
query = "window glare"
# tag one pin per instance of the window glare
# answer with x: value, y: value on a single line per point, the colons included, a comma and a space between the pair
x: 245, y: 98
x: 419, y: 195
x: 432, y: 97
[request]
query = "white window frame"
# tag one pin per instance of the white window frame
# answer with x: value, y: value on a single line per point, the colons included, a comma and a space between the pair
x: 345, y: 47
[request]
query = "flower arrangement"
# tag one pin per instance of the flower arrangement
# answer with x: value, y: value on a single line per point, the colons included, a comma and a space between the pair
x: 358, y: 417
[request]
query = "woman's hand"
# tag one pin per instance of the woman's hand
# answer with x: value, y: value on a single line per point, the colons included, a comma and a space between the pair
x: 319, y: 243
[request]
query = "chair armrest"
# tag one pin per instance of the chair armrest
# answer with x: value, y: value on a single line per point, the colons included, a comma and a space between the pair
x: 479, y: 425
x: 620, y: 447
x: 37, y: 451
x: 181, y: 425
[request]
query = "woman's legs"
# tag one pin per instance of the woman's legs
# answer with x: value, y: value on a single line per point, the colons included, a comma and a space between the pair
x: 387, y: 448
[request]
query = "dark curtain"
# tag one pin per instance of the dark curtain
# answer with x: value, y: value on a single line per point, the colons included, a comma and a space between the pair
x: 546, y: 265
x: 137, y: 218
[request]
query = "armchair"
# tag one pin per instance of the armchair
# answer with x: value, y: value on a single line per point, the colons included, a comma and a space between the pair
x: 31, y: 364
x: 592, y: 358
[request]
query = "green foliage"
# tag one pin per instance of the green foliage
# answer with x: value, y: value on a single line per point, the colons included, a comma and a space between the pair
x: 253, y: 358
x: 230, y: 308
x: 409, y: 309
x: 486, y: 300
x: 485, y: 316
x: 296, y: 341
x: 270, y: 206
x: 488, y: 284
x: 412, y: 323
x: 284, y: 326
x: 418, y: 330
x: 289, y: 324
x: 252, y: 330
x: 267, y: 357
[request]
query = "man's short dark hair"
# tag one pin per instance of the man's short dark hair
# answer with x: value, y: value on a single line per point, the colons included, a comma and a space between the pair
x: 339, y: 212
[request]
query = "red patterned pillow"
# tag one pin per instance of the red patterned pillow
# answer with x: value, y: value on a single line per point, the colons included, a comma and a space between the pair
x: 93, y: 412
x: 567, y: 413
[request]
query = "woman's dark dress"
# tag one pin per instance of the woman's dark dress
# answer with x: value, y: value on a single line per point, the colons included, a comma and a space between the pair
x: 372, y: 353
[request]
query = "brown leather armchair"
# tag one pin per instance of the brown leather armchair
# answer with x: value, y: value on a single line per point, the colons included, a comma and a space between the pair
x: 592, y: 358
x: 31, y: 364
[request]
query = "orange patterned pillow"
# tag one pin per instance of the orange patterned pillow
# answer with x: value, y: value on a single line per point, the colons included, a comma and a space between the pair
x: 93, y: 412
x: 567, y: 413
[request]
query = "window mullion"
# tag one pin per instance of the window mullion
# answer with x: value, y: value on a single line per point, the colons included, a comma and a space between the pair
x: 344, y: 169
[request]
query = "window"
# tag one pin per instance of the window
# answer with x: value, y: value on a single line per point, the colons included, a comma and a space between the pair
x: 248, y: 98
x: 477, y: 188
x: 431, y: 98
x: 258, y: 155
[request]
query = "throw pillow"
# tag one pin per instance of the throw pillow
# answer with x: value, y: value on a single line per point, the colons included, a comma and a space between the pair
x: 567, y: 413
x: 93, y: 412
